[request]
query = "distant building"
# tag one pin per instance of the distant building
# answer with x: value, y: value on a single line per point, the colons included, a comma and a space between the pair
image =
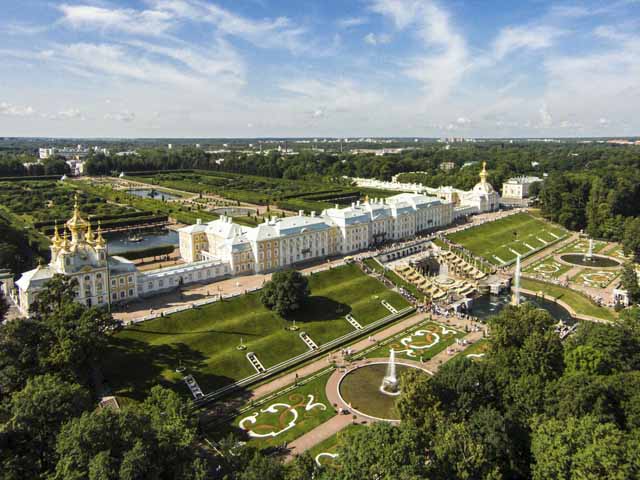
x: 447, y: 166
x: 70, y: 153
x: 518, y: 187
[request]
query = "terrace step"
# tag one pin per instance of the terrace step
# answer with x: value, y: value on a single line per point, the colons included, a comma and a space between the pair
x: 389, y: 307
x: 253, y: 360
x: 353, y: 322
x: 541, y: 240
x: 500, y: 260
x: 529, y: 246
x: 308, y: 342
x: 196, y: 391
x: 554, y: 235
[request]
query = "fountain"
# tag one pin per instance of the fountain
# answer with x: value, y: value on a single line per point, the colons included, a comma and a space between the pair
x: 589, y: 255
x: 443, y: 275
x: 515, y: 300
x: 390, y: 381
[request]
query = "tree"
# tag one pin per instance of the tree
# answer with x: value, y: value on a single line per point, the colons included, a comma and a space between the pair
x: 286, y: 292
x: 302, y: 466
x: 381, y: 451
x: 153, y: 440
x: 584, y: 447
x: 631, y: 238
x: 37, y: 413
x: 4, y: 307
x: 629, y: 281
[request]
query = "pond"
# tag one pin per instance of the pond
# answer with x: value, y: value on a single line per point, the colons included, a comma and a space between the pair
x: 152, y: 193
x: 489, y: 305
x: 119, y: 242
x: 595, y: 261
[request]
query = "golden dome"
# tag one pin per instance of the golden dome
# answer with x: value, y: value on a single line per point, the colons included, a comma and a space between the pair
x: 56, y: 240
x: 100, y: 242
x: 89, y: 235
x: 76, y: 222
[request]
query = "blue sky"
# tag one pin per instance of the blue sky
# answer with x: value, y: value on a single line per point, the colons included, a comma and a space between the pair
x: 247, y: 68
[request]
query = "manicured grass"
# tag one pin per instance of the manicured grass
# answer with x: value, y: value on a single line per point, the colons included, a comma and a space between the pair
x: 361, y: 389
x: 548, y: 267
x: 521, y: 233
x: 269, y: 422
x: 204, y: 340
x: 579, y: 302
x: 402, y: 351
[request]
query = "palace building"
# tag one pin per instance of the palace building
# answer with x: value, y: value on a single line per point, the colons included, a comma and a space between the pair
x: 283, y: 242
x: 222, y: 248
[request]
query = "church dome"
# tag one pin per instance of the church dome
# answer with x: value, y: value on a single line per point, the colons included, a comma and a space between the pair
x: 483, y: 187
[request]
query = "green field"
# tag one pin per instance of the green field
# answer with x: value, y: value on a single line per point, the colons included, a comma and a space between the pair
x: 204, y: 340
x: 579, y: 302
x: 499, y: 241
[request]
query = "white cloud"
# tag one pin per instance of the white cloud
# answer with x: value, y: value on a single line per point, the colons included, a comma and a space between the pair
x: 68, y: 114
x: 125, y: 116
x: 352, y: 22
x: 137, y: 22
x: 280, y: 32
x: 532, y: 37
x: 379, y: 39
x: 546, y: 119
x: 463, y: 121
x: 12, y: 110
x: 439, y: 72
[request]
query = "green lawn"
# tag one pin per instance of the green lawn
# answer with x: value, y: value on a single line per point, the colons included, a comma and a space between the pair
x: 499, y: 240
x: 269, y: 422
x: 204, y: 340
x: 579, y: 302
x: 402, y: 351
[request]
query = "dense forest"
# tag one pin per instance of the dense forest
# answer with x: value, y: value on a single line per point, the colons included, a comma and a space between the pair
x: 12, y: 165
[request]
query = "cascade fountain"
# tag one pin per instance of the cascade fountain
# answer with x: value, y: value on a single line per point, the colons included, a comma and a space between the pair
x: 515, y: 300
x: 390, y: 381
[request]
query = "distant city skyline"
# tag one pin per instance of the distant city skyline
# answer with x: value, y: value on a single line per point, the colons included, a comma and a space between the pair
x: 330, y: 68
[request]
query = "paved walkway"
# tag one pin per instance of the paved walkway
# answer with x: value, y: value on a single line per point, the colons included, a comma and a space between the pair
x: 337, y: 423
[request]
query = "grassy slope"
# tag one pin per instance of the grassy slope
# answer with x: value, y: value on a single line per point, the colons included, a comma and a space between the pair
x: 580, y: 303
x: 204, y: 340
x: 497, y: 238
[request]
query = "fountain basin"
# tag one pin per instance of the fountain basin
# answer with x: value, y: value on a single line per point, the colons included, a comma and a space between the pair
x: 596, y: 261
x: 360, y: 389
